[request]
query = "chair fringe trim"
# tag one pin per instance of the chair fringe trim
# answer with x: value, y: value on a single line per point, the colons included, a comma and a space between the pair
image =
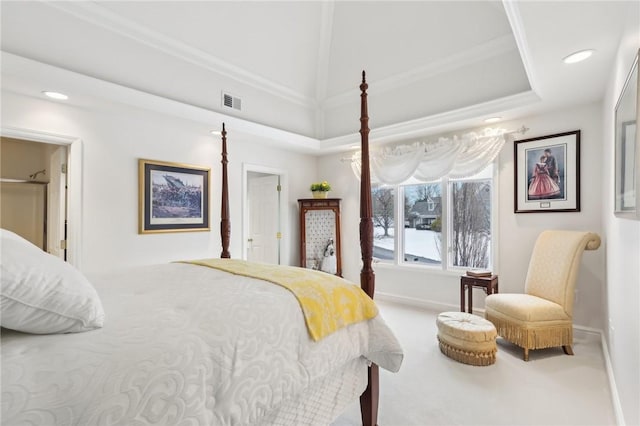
x: 533, y: 338
x: 479, y: 358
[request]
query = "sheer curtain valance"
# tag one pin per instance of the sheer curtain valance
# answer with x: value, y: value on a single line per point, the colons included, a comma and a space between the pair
x: 456, y: 157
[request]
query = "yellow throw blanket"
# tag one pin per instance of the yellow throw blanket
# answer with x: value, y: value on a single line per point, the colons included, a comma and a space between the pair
x: 328, y: 302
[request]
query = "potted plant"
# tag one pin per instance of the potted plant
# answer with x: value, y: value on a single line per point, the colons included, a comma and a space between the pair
x: 320, y: 189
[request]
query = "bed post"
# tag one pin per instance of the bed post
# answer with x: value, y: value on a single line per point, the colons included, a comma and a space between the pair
x: 369, y: 399
x: 225, y: 224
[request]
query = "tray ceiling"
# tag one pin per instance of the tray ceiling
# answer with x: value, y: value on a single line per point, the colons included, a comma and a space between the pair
x: 296, y: 65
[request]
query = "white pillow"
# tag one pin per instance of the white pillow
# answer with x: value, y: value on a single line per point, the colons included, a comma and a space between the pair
x: 42, y: 294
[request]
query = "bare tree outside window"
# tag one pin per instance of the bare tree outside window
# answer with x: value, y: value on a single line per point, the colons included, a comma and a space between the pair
x: 383, y: 208
x: 471, y: 223
x: 383, y: 203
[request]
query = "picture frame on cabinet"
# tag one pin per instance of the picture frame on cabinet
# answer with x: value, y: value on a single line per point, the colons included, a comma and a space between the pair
x: 173, y: 197
x: 627, y: 147
x: 547, y: 173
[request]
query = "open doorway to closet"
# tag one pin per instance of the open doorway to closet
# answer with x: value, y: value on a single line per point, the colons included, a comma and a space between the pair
x: 33, y: 192
x: 263, y: 214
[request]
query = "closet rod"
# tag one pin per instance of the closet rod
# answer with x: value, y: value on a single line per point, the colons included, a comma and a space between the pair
x: 9, y: 180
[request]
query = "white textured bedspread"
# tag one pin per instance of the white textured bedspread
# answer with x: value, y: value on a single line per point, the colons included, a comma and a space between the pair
x: 182, y: 344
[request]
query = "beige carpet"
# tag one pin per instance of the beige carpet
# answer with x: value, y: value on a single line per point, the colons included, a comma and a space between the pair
x: 431, y: 389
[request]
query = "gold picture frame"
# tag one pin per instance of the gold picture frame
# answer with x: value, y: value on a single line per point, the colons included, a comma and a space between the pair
x: 173, y: 197
x: 627, y: 148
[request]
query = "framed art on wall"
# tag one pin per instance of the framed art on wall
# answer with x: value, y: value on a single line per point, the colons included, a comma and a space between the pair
x: 547, y: 173
x: 173, y: 197
x: 627, y: 148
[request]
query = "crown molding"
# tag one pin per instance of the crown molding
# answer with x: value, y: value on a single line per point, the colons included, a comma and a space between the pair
x: 111, y: 92
x: 449, y: 120
x: 491, y: 49
x: 322, y: 63
x: 514, y: 17
x: 98, y: 15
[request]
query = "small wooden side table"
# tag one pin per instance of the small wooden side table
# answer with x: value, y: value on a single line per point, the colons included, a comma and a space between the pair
x: 488, y: 284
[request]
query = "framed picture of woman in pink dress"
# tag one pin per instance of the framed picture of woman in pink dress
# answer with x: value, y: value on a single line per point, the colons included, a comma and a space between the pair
x: 547, y: 173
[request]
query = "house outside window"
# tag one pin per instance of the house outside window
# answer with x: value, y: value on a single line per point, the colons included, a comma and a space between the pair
x: 423, y: 207
x: 449, y: 219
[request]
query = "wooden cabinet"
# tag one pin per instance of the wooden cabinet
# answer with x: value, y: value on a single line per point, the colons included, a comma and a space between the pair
x: 320, y: 234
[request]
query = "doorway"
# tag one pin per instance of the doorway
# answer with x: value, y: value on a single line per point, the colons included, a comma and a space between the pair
x: 60, y: 176
x: 34, y: 192
x: 263, y: 214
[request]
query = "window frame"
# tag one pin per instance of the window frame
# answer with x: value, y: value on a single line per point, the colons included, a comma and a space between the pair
x: 446, y: 264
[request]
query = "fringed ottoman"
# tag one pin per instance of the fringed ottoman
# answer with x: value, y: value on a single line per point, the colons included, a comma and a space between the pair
x: 467, y: 338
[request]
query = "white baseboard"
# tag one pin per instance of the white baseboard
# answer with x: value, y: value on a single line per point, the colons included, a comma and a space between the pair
x: 416, y: 303
x: 421, y: 303
x: 587, y: 329
x: 442, y: 307
x: 615, y: 398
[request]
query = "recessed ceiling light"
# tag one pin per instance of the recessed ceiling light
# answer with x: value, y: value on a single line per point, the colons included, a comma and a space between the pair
x: 56, y: 95
x: 578, y: 56
x: 493, y: 120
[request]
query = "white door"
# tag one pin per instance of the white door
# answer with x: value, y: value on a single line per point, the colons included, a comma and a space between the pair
x: 56, y: 202
x: 263, y: 211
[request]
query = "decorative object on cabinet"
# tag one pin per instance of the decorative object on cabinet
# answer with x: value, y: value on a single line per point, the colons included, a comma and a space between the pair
x: 173, y: 197
x: 627, y: 202
x: 320, y: 234
x: 547, y: 173
x: 320, y: 189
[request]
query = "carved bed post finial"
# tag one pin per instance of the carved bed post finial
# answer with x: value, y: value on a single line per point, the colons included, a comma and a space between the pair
x: 369, y: 399
x: 225, y: 224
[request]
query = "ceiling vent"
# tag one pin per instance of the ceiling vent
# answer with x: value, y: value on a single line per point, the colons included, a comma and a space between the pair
x: 230, y: 101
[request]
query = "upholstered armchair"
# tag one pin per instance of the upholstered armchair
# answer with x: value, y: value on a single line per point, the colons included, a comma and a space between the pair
x: 542, y: 317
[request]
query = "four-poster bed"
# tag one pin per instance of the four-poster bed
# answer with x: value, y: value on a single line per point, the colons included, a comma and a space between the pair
x: 369, y: 399
x: 180, y: 343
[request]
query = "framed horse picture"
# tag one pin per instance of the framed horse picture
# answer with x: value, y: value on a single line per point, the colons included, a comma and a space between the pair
x: 173, y: 197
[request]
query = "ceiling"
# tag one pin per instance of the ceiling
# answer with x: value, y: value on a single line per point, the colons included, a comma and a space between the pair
x: 432, y: 66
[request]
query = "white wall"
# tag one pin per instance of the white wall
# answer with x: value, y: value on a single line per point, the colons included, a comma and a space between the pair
x: 622, y: 293
x: 516, y: 232
x: 113, y: 138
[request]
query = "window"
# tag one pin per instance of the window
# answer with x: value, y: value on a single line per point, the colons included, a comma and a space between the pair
x: 447, y: 223
x: 470, y: 230
x: 423, y: 210
x: 383, y: 202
